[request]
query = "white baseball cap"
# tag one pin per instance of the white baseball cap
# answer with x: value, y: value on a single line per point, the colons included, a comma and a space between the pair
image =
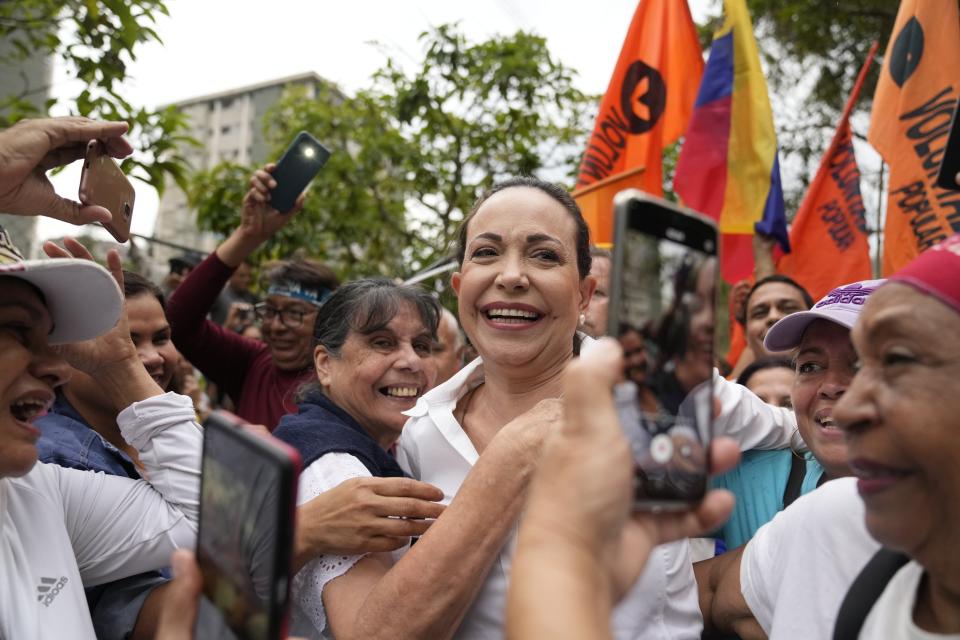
x: 82, y: 297
x: 841, y: 306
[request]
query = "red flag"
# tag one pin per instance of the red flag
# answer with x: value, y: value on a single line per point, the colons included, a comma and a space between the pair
x: 912, y: 109
x: 647, y: 106
x: 829, y: 236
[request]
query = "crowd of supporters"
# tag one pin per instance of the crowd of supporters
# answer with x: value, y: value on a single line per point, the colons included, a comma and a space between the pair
x: 488, y: 437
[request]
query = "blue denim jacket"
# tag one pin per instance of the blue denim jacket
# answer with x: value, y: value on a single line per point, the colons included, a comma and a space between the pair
x: 67, y: 440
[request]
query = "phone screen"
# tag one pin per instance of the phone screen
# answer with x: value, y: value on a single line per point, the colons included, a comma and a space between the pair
x: 246, y: 529
x: 662, y: 312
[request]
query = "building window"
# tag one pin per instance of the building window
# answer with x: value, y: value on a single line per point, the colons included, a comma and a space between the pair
x: 225, y: 129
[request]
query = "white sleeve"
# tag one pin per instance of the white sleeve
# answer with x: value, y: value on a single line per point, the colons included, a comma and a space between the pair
x: 120, y: 527
x: 323, y: 474
x: 750, y: 421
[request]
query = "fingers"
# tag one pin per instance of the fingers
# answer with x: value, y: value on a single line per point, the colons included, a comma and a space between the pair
x: 298, y: 203
x: 588, y: 380
x: 54, y: 251
x: 179, y: 611
x: 713, y: 511
x: 724, y: 455
x: 72, y: 211
x: 262, y: 181
x: 407, y: 508
x: 63, y: 131
x: 405, y: 488
x: 77, y: 250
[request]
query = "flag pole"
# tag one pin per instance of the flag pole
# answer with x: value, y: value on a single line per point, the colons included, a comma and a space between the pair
x: 878, y: 267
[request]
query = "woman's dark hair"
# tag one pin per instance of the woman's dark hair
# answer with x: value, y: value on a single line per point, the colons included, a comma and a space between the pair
x: 135, y: 284
x: 556, y: 192
x: 304, y: 271
x: 366, y: 306
x: 770, y: 362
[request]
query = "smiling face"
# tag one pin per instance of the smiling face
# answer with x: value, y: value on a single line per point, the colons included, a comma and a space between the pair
x: 290, y: 347
x: 826, y: 363
x: 150, y: 333
x: 379, y: 374
x: 901, y: 416
x: 29, y: 371
x: 520, y: 294
x: 768, y: 303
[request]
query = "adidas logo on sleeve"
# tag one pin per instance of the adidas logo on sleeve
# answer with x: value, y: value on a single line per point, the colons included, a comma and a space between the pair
x: 49, y: 588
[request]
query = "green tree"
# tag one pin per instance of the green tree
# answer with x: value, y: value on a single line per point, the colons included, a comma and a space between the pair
x: 354, y: 216
x: 96, y: 40
x: 413, y: 151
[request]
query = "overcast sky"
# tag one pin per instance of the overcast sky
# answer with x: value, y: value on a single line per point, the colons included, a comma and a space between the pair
x: 215, y: 45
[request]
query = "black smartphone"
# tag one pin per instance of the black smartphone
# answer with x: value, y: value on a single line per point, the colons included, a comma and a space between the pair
x: 662, y: 310
x: 302, y: 160
x: 247, y: 506
x: 947, y: 178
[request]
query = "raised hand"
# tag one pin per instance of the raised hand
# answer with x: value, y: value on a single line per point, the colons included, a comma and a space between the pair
x: 259, y: 219
x: 32, y: 147
x: 112, y: 357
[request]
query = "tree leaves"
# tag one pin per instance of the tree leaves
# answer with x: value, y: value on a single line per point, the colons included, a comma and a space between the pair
x: 102, y: 41
x: 413, y: 152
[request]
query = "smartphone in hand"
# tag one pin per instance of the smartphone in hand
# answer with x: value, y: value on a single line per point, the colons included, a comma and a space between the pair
x: 662, y: 311
x: 247, y: 506
x: 103, y: 183
x: 302, y: 160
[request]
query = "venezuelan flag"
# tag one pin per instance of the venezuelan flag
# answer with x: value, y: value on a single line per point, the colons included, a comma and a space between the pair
x: 728, y: 166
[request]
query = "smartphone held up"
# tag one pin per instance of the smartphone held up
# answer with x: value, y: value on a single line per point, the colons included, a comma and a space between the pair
x: 298, y: 165
x: 103, y: 183
x: 662, y: 310
x: 247, y: 504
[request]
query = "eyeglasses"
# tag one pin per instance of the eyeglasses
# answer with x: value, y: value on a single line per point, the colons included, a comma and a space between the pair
x: 291, y: 317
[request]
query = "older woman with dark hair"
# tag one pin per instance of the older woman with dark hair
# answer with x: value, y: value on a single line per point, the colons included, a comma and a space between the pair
x: 372, y: 361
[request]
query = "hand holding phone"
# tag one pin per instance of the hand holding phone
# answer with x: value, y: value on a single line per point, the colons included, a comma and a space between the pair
x: 103, y: 183
x: 247, y: 506
x: 662, y: 311
x: 302, y: 160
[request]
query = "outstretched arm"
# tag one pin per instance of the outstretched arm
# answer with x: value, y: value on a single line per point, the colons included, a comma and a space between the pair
x: 449, y: 564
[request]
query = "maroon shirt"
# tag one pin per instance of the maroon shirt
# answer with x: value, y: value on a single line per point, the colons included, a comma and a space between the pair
x: 240, y: 366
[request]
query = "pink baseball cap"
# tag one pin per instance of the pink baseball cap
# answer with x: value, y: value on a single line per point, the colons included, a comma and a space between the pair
x: 841, y: 306
x: 936, y: 272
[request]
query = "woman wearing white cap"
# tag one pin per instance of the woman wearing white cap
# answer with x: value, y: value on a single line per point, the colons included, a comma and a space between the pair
x: 62, y: 528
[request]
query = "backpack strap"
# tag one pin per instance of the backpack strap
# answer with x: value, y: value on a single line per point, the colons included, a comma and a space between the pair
x: 865, y: 591
x: 798, y: 471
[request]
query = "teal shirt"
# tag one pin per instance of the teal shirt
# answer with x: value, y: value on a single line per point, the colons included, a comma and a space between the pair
x: 758, y: 484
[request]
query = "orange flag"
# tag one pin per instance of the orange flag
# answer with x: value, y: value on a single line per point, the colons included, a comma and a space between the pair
x: 647, y: 106
x: 912, y: 109
x: 828, y: 238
